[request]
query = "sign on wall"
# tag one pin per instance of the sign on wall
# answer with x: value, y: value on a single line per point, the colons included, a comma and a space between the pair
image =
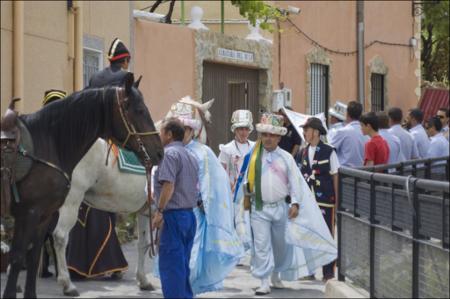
x: 236, y: 55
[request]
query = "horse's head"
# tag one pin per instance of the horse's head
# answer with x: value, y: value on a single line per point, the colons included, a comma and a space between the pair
x: 200, y: 115
x: 133, y: 126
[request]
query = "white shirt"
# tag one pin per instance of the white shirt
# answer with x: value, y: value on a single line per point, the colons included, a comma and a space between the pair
x: 349, y: 143
x: 280, y: 176
x: 333, y: 128
x: 408, y: 145
x: 444, y: 131
x: 334, y: 162
x: 439, y: 146
x: 232, y: 156
x: 422, y: 141
x: 395, y: 152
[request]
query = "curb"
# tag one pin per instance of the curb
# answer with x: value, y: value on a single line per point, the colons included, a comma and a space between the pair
x: 340, y: 289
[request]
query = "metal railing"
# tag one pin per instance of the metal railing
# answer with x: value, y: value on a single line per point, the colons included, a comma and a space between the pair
x: 393, y: 230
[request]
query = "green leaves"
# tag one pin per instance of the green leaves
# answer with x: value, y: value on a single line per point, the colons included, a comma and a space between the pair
x: 258, y: 10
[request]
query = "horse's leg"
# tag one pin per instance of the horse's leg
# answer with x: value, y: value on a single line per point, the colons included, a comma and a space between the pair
x: 168, y: 17
x: 24, y: 226
x: 155, y: 5
x: 143, y: 241
x: 67, y: 218
x: 33, y: 256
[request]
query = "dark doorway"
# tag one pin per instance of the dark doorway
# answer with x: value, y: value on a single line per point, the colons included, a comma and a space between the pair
x: 232, y: 88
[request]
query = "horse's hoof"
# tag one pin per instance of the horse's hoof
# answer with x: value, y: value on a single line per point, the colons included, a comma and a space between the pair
x: 72, y: 293
x: 148, y: 287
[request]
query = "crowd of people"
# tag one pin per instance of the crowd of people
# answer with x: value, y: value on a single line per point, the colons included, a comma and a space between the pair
x: 274, y: 197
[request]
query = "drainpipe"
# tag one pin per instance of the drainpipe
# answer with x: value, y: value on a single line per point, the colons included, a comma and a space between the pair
x: 78, y: 61
x: 182, y: 13
x: 222, y: 16
x: 360, y: 47
x: 18, y: 56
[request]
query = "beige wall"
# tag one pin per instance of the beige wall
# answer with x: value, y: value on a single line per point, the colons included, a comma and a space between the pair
x: 46, y: 44
x: 166, y: 64
x: 333, y: 25
x: 235, y: 24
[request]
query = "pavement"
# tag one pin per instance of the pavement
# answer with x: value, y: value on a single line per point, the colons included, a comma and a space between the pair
x: 239, y: 284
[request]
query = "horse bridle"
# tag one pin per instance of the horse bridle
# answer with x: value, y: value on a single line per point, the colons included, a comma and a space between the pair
x: 131, y: 131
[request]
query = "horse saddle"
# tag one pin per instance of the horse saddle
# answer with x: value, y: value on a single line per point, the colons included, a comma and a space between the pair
x: 15, y: 138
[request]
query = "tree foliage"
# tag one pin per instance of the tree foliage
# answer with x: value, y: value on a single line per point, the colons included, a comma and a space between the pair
x: 435, y: 41
x: 258, y: 10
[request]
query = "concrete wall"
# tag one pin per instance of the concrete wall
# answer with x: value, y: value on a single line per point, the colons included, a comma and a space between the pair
x: 46, y: 44
x: 165, y: 56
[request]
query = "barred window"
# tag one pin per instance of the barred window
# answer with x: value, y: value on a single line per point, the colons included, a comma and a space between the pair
x: 92, y: 63
x: 319, y: 88
x: 377, y: 92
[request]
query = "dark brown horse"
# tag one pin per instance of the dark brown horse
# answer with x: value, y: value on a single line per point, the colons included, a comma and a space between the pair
x: 62, y: 133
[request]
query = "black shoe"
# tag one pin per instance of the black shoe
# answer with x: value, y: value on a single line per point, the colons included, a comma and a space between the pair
x: 46, y: 274
x: 327, y: 277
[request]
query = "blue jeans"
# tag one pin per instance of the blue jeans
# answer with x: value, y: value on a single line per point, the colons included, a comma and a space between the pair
x: 177, y: 237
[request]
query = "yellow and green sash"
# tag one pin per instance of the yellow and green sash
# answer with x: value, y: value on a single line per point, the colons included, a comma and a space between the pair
x: 254, y: 175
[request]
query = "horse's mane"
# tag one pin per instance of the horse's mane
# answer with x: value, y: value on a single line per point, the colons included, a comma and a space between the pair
x: 67, y: 122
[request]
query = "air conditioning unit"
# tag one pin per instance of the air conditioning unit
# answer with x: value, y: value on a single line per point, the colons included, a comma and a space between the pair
x: 281, y: 98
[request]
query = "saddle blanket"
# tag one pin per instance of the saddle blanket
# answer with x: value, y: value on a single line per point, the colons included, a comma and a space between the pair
x: 129, y: 162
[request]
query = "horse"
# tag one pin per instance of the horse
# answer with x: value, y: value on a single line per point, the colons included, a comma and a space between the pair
x: 62, y: 133
x: 104, y: 187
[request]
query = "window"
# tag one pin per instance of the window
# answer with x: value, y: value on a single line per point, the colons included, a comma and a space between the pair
x: 92, y: 63
x: 319, y: 88
x: 377, y: 92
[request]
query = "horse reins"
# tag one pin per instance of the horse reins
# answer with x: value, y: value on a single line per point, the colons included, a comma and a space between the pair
x: 131, y: 131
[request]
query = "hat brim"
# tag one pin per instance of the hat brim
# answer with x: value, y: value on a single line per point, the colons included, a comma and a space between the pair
x: 321, y: 129
x: 332, y: 112
x: 241, y: 125
x: 265, y: 128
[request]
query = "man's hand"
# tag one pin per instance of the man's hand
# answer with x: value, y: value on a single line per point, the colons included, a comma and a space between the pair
x: 157, y: 220
x: 293, y: 211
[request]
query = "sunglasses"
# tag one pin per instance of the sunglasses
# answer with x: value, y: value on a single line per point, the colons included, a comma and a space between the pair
x: 440, y: 116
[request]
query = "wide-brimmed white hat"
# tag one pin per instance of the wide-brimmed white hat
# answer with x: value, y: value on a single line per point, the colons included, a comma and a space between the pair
x: 339, y: 110
x: 271, y: 123
x: 241, y: 119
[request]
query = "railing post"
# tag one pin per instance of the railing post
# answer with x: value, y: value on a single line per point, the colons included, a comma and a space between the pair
x: 428, y: 169
x: 444, y: 227
x: 415, y: 245
x: 341, y: 276
x: 355, y: 197
x: 372, y: 237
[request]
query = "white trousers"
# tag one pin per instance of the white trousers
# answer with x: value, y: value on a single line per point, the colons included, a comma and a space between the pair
x: 271, y: 252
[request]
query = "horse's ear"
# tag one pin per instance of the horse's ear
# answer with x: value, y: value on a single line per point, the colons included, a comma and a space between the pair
x: 128, y: 81
x: 136, y: 84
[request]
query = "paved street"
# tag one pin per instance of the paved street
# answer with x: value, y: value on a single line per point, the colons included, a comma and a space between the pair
x: 240, y: 284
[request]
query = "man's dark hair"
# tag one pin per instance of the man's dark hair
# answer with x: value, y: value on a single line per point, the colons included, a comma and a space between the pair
x: 383, y: 120
x: 435, y: 122
x: 417, y: 114
x: 354, y: 110
x: 370, y: 118
x: 395, y: 114
x: 445, y: 110
x: 176, y: 127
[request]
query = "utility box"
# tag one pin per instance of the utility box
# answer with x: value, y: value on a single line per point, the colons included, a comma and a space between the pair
x: 281, y: 98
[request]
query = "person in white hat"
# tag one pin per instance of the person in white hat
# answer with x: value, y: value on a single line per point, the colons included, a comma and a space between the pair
x: 337, y: 118
x: 232, y: 154
x: 270, y: 185
x: 217, y: 248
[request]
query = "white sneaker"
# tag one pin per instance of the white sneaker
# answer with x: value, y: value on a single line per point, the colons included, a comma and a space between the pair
x: 276, y: 281
x: 264, y: 289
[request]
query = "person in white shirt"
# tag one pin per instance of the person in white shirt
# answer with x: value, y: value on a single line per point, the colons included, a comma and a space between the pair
x: 407, y: 143
x: 439, y: 145
x: 337, y: 118
x: 395, y: 152
x: 232, y: 154
x: 349, y: 141
x: 414, y: 123
x: 443, y: 114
